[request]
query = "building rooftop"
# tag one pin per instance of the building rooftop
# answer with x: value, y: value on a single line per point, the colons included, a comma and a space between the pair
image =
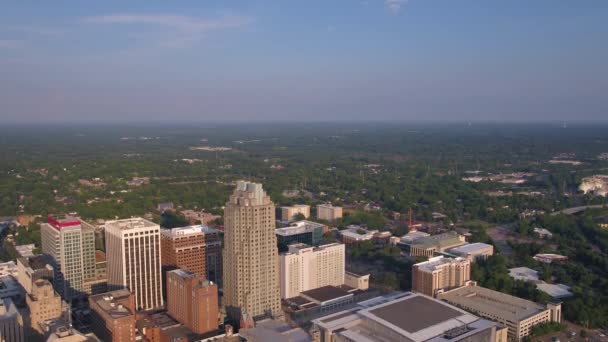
x: 26, y: 250
x: 403, y: 317
x: 298, y: 227
x: 296, y: 206
x: 470, y: 248
x: 187, y: 231
x: 555, y: 290
x: 276, y: 331
x: 496, y: 303
x: 8, y: 268
x: 435, y: 263
x: 524, y: 274
x: 353, y: 232
x: 325, y: 293
x: 113, y: 303
x: 297, y: 248
x: 131, y: 223
x: 413, y: 236
x: 7, y: 307
x: 327, y: 205
x: 440, y: 240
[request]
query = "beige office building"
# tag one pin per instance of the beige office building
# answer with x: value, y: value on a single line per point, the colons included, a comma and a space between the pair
x: 11, y: 322
x: 517, y: 314
x: 305, y: 268
x: 328, y: 212
x: 251, y: 259
x: 70, y: 242
x: 439, y: 274
x: 44, y: 304
x: 133, y: 260
x: 289, y: 213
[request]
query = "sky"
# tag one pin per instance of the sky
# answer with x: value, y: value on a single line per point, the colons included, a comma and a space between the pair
x: 297, y: 61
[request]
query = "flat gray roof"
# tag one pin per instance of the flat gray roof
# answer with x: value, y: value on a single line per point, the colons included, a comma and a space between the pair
x: 416, y: 313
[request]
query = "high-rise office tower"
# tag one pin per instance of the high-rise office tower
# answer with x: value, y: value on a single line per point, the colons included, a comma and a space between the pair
x: 251, y: 260
x: 196, y: 249
x: 192, y: 300
x: 133, y: 260
x: 70, y: 242
x: 11, y: 322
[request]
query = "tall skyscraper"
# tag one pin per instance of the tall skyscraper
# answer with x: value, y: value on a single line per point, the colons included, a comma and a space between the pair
x: 196, y: 249
x: 305, y: 268
x: 251, y: 260
x: 70, y: 242
x: 11, y: 322
x: 192, y: 300
x: 133, y: 260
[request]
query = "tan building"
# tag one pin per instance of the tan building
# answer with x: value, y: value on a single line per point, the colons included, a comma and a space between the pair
x: 305, y: 268
x: 113, y: 316
x: 517, y: 314
x: 439, y: 274
x: 70, y: 242
x: 328, y: 212
x: 193, y: 301
x: 11, y: 322
x: 133, y: 258
x: 289, y: 213
x: 251, y: 259
x: 196, y: 249
x: 30, y: 269
x: 473, y: 251
x: 356, y: 281
x: 44, y: 304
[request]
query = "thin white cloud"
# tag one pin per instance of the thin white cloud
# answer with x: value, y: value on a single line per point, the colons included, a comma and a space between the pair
x: 186, y: 30
x: 178, y: 22
x: 37, y: 30
x: 395, y: 5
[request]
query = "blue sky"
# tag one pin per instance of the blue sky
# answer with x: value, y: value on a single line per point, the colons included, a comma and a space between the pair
x: 310, y: 60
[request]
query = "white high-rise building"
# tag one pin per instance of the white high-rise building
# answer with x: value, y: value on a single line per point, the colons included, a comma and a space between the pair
x: 305, y: 268
x: 133, y: 257
x: 70, y: 242
x: 251, y: 257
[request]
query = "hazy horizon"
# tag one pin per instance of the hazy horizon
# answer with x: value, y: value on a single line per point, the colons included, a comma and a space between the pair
x: 318, y: 61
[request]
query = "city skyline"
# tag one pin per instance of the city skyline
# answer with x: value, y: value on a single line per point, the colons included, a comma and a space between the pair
x: 384, y: 60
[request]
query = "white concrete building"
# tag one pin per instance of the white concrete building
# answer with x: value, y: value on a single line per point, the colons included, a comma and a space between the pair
x: 305, y: 268
x: 133, y: 257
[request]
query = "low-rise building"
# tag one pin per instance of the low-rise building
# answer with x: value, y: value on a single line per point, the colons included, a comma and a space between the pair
x: 412, y: 236
x: 113, y: 316
x: 355, y: 234
x: 543, y: 233
x: 8, y: 268
x: 328, y: 212
x: 517, y: 314
x: 440, y: 274
x: 473, y: 251
x: 429, y: 245
x: 524, y: 274
x: 550, y: 258
x: 200, y: 217
x: 405, y: 317
x: 557, y: 291
x: 356, y: 281
x: 308, y: 232
x: 289, y: 214
x: 10, y: 288
x: 25, y: 250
